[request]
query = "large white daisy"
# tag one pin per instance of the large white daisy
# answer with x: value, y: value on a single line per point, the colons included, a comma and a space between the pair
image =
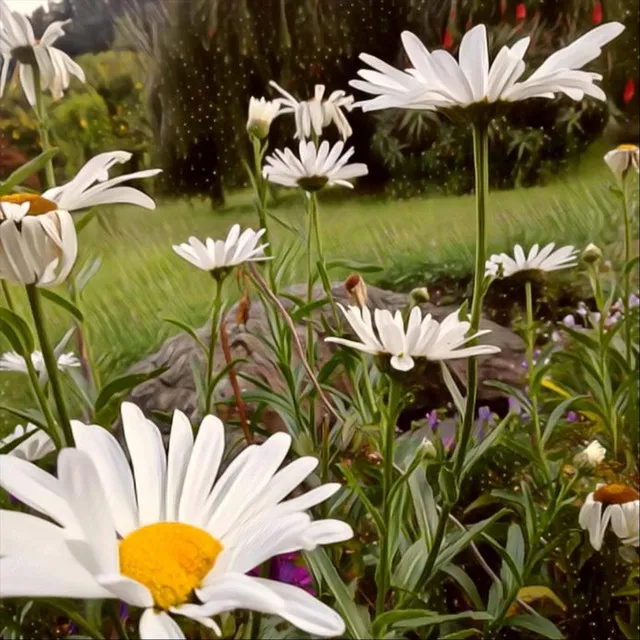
x: 91, y: 185
x: 423, y: 337
x: 545, y: 259
x: 314, y: 167
x: 18, y: 42
x: 437, y: 81
x: 166, y: 536
x: 215, y: 255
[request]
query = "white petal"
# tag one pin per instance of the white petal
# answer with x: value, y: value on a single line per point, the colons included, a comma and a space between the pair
x: 159, y: 625
x: 474, y: 60
x: 180, y: 447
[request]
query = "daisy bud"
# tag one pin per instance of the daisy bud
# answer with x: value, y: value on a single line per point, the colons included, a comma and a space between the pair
x: 420, y: 295
x: 591, y: 254
x: 428, y: 448
x: 591, y: 456
x: 261, y: 114
x: 356, y: 289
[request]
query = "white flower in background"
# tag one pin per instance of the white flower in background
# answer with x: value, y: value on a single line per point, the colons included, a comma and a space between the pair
x: 18, y: 42
x: 91, y: 185
x: 314, y: 168
x: 12, y: 361
x: 38, y: 242
x: 165, y: 536
x: 623, y: 158
x: 437, y: 81
x: 261, y: 114
x: 34, y: 447
x: 214, y: 255
x: 592, y: 455
x: 545, y: 259
x: 315, y: 114
x: 621, y: 506
x: 423, y: 337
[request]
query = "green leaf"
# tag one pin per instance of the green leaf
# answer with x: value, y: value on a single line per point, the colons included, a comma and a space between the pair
x: 632, y: 265
x: 457, y: 397
x: 465, y: 582
x: 65, y: 304
x: 122, y: 385
x: 361, y: 267
x: 88, y: 270
x: 86, y: 219
x: 321, y: 566
x: 448, y: 484
x: 413, y: 618
x: 26, y: 170
x: 17, y: 332
x: 483, y: 446
x: 357, y: 488
x: 537, y: 624
x: 409, y: 569
x: 30, y: 415
x: 556, y: 415
x: 516, y: 551
x: 463, y: 634
x: 307, y: 309
x: 187, y: 329
x: 424, y: 505
x: 10, y: 446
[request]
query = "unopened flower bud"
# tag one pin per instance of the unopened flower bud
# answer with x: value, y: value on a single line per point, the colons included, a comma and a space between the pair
x: 261, y: 114
x: 591, y: 456
x: 356, y: 289
x: 591, y: 254
x: 428, y: 448
x: 420, y: 295
x: 244, y: 306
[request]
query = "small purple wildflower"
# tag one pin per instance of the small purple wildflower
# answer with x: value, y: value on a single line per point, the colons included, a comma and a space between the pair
x: 432, y: 419
x: 572, y: 416
x: 634, y: 301
x: 569, y: 321
x: 514, y: 406
x: 288, y: 568
x: 485, y: 414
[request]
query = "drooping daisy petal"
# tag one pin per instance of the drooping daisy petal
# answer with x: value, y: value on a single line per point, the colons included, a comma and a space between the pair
x: 544, y: 260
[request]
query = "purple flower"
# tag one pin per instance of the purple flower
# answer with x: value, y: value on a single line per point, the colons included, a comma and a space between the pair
x: 485, y: 414
x: 447, y: 433
x: 123, y: 611
x: 572, y: 416
x: 634, y: 301
x: 514, y: 406
x: 288, y: 568
x: 432, y: 419
x: 569, y: 321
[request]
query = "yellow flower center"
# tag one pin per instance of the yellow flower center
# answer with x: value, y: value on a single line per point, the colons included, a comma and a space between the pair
x: 169, y: 558
x: 37, y: 204
x: 615, y: 494
x: 627, y: 147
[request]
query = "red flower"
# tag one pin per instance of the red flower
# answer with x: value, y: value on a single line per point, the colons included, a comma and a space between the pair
x: 521, y: 11
x: 503, y: 7
x: 447, y: 40
x: 629, y: 91
x: 596, y: 15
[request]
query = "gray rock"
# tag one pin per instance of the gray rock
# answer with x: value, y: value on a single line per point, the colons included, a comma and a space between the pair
x: 175, y: 389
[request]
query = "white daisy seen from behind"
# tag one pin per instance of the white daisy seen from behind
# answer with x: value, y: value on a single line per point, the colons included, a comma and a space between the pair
x: 12, y: 361
x: 437, y: 81
x: 622, y: 159
x: 165, y: 534
x: 314, y: 167
x: 545, y: 259
x: 217, y: 256
x: 421, y: 338
x: 33, y: 448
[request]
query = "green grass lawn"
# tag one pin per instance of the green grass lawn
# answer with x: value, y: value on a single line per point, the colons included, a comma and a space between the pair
x: 141, y: 280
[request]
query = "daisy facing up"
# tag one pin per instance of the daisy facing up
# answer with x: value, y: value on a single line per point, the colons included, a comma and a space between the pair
x: 165, y: 534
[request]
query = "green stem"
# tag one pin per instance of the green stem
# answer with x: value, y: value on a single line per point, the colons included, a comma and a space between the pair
x: 531, y: 341
x: 627, y: 273
x: 213, y: 340
x: 43, y: 128
x: 7, y: 295
x: 390, y: 417
x: 311, y: 204
x: 50, y: 362
x: 77, y: 618
x: 481, y: 162
x: 119, y: 624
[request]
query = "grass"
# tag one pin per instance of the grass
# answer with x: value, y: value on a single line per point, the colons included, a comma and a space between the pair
x: 141, y: 280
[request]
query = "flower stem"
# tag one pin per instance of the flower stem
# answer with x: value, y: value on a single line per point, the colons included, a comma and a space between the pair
x: 481, y: 162
x: 531, y: 341
x: 390, y: 417
x: 627, y: 272
x: 311, y: 205
x: 50, y: 362
x: 43, y: 128
x: 213, y: 340
x: 7, y: 295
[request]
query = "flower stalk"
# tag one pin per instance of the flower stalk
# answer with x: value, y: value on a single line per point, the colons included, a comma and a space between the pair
x: 627, y: 272
x: 213, y: 339
x: 7, y: 296
x: 50, y: 363
x: 43, y: 127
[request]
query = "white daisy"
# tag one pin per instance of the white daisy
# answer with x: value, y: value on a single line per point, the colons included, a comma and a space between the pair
x: 34, y: 447
x: 591, y: 456
x: 437, y: 81
x: 545, y: 259
x: 91, y: 185
x: 18, y: 42
x: 216, y: 255
x: 623, y: 158
x: 261, y: 114
x: 12, y: 361
x: 422, y: 338
x: 315, y: 114
x: 621, y: 506
x: 315, y: 168
x: 165, y: 536
x: 38, y: 242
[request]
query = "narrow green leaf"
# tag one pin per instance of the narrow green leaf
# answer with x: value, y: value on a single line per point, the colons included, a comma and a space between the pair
x: 456, y: 395
x: 28, y: 415
x: 307, y: 309
x: 466, y: 583
x: 63, y: 303
x: 10, y: 446
x: 424, y: 505
x: 356, y: 487
x: 361, y: 267
x: 17, y: 332
x: 26, y: 170
x: 516, y: 551
x: 124, y: 384
x: 413, y: 618
x: 556, y: 415
x: 321, y: 566
x: 187, y: 329
x: 537, y: 624
x: 85, y: 219
x: 483, y: 446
